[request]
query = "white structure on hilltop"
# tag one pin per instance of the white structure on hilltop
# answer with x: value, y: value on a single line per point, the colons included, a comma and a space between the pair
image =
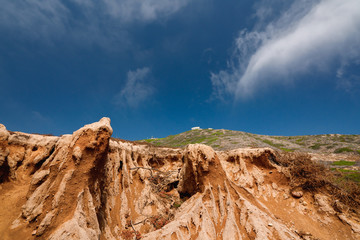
x: 195, y: 128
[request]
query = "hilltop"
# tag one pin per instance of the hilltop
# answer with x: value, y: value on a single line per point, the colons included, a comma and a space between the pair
x: 220, y: 139
x: 325, y: 147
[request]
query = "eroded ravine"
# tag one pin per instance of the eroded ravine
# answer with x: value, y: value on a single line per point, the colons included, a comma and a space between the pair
x: 90, y: 186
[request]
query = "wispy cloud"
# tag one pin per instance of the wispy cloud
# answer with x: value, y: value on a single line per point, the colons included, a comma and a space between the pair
x: 347, y: 80
x: 309, y: 36
x: 137, y: 89
x: 86, y: 21
x: 39, y: 117
x: 130, y: 10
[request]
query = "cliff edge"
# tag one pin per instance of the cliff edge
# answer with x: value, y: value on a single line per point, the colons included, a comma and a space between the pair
x: 89, y: 186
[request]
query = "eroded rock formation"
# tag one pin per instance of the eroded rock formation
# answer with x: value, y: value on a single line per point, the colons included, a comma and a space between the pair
x: 90, y: 186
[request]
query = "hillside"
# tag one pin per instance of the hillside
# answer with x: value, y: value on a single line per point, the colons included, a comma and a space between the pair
x: 221, y: 139
x: 326, y: 147
x: 87, y: 185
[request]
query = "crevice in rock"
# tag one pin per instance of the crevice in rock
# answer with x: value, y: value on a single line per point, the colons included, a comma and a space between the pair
x: 156, y: 162
x: 5, y: 172
x: 120, y: 167
x: 98, y: 177
x: 38, y: 165
x: 185, y: 195
x: 171, y: 186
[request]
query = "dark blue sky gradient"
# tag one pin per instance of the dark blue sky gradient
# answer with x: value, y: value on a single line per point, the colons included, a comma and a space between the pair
x: 56, y: 82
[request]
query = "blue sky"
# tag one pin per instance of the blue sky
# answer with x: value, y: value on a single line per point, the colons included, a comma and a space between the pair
x: 160, y: 67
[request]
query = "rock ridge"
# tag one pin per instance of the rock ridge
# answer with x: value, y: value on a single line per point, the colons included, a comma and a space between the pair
x: 88, y: 185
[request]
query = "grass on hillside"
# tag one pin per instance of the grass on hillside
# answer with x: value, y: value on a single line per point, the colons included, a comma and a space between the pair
x: 221, y: 139
x: 342, y: 150
x: 287, y: 149
x: 316, y: 146
x: 343, y: 163
x: 207, y: 136
x: 355, y: 177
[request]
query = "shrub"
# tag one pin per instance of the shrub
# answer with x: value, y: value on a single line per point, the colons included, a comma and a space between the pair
x: 344, y: 149
x: 355, y: 177
x: 158, y: 221
x: 176, y: 205
x: 314, y: 177
x: 128, y: 234
x: 316, y: 146
x: 278, y: 145
x: 304, y: 172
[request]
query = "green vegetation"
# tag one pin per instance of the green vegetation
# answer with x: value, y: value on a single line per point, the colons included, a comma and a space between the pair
x: 344, y: 149
x: 176, y: 204
x: 287, y: 149
x: 347, y: 175
x: 267, y: 142
x: 209, y: 141
x: 312, y: 177
x: 344, y: 170
x: 149, y: 140
x: 206, y: 136
x: 343, y: 163
x: 316, y: 146
x: 221, y: 139
x: 218, y: 133
x: 300, y: 141
x: 355, y: 177
x: 277, y: 145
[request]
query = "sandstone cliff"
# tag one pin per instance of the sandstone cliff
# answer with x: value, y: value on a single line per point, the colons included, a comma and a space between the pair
x: 90, y: 186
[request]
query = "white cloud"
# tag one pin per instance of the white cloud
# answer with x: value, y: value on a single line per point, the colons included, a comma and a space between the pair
x: 82, y: 20
x: 305, y: 38
x: 37, y: 116
x: 347, y: 80
x: 33, y: 17
x: 143, y: 10
x: 136, y: 89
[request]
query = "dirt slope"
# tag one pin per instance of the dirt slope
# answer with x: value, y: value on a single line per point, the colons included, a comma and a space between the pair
x: 89, y: 186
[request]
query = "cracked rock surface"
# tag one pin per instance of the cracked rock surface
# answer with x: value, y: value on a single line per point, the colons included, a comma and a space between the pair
x: 88, y: 185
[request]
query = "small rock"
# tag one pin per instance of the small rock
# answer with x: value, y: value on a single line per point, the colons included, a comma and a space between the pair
x: 340, y: 207
x: 270, y: 225
x: 4, y: 134
x: 270, y: 172
x: 77, y: 154
x: 91, y: 145
x: 39, y: 177
x: 297, y: 194
x: 323, y: 202
x: 33, y: 232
